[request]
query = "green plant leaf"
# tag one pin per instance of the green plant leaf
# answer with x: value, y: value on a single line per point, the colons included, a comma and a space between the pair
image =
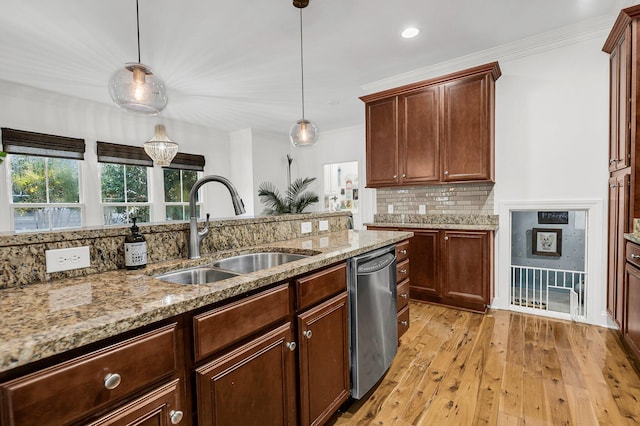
x: 2, y: 155
x: 271, y: 198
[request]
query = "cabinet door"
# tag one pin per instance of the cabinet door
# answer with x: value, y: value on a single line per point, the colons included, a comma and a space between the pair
x: 252, y: 385
x: 324, y: 360
x: 157, y: 408
x: 466, y: 266
x: 619, y: 104
x: 424, y: 281
x: 612, y: 260
x: 382, y: 142
x: 632, y: 307
x: 466, y: 138
x: 419, y: 153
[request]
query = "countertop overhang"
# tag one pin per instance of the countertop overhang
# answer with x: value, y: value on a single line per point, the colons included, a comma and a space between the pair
x: 50, y: 318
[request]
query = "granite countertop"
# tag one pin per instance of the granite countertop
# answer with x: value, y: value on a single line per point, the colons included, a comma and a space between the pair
x: 49, y: 318
x: 437, y: 221
x: 634, y: 238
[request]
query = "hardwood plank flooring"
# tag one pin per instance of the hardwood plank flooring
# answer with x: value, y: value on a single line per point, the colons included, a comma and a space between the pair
x: 504, y: 368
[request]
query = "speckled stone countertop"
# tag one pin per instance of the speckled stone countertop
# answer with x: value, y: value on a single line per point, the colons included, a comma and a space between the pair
x: 45, y: 319
x: 634, y: 238
x: 437, y: 221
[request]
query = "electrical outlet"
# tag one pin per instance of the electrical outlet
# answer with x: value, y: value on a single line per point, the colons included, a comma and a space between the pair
x: 422, y: 209
x: 390, y: 208
x: 67, y: 258
x: 305, y: 227
x: 307, y: 245
x: 323, y: 225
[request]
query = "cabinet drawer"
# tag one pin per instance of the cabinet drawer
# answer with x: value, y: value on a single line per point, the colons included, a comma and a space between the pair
x: 633, y: 253
x: 403, y: 321
x: 72, y: 390
x: 221, y: 327
x: 402, y: 271
x: 321, y: 285
x: 402, y: 251
x: 403, y: 294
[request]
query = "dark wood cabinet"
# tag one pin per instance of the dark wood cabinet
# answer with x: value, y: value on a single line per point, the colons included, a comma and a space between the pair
x: 631, y: 332
x: 425, y: 277
x: 619, y: 105
x: 438, y: 130
x: 619, y: 194
x: 466, y: 139
x: 382, y: 142
x: 465, y: 265
x: 403, y: 278
x: 252, y: 385
x: 324, y: 360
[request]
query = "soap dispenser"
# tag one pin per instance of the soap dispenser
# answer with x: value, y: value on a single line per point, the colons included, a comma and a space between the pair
x: 135, y: 249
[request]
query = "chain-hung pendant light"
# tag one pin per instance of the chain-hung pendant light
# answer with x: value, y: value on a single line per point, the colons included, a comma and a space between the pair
x: 303, y: 132
x: 135, y: 87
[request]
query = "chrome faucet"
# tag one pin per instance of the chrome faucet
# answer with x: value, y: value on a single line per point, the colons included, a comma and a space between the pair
x: 195, y: 237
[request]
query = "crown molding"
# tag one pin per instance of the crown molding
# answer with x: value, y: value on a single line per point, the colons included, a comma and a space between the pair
x: 585, y: 30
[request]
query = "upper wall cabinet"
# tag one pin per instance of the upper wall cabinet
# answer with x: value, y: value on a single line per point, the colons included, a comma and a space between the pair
x: 437, y: 130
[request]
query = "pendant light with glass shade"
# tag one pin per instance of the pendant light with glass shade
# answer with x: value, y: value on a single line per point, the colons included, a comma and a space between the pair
x: 303, y: 132
x: 135, y: 87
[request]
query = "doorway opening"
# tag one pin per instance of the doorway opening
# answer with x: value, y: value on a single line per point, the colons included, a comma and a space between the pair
x: 548, y: 268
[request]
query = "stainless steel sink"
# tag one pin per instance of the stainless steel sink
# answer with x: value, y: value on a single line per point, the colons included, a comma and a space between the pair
x: 198, y: 275
x: 246, y: 263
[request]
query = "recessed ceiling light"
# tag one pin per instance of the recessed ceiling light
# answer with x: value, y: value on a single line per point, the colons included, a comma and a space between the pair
x: 410, y: 32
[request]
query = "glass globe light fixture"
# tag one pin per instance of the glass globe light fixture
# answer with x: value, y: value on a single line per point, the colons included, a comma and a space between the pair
x: 135, y: 87
x: 160, y: 148
x: 303, y: 133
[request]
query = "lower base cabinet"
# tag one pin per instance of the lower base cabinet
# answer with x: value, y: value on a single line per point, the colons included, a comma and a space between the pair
x: 252, y: 385
x: 631, y: 331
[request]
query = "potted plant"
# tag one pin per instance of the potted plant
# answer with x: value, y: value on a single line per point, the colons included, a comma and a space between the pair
x: 295, y: 199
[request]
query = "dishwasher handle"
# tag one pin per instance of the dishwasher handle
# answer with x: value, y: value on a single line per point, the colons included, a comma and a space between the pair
x: 376, y: 264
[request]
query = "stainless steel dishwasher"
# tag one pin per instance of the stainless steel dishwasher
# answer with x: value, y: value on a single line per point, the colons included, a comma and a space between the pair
x: 373, y: 318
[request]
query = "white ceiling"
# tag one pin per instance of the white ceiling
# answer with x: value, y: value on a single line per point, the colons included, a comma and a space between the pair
x: 235, y: 64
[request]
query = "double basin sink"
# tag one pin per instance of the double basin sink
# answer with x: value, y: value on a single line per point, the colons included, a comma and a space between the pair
x: 229, y: 267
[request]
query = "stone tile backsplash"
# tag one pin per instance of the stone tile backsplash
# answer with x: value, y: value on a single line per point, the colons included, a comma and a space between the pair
x: 459, y: 198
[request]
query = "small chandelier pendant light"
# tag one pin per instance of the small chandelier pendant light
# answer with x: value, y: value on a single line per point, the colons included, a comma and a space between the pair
x: 160, y: 148
x: 136, y: 88
x: 303, y: 132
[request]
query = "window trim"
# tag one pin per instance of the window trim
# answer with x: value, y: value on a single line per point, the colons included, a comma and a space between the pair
x: 126, y: 204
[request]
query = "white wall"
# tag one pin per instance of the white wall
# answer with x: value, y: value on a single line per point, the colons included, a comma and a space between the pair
x: 337, y: 146
x: 269, y: 162
x: 30, y: 109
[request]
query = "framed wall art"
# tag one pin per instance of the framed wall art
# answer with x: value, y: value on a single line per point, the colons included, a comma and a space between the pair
x: 546, y: 242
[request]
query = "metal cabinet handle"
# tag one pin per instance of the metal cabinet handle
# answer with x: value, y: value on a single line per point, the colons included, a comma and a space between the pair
x: 404, y: 295
x: 612, y: 161
x: 395, y: 176
x: 446, y: 238
x: 403, y: 271
x: 613, y: 185
x: 112, y: 381
x: 291, y: 346
x: 175, y: 416
x: 403, y: 251
x: 307, y: 334
x: 404, y: 175
x: 446, y: 172
x: 405, y: 323
x: 635, y: 256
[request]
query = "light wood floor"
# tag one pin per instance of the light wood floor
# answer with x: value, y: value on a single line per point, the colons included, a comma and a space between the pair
x: 503, y: 368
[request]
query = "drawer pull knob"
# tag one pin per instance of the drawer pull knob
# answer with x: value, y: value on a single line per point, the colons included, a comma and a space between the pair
x: 307, y: 334
x: 175, y: 416
x: 404, y: 295
x: 112, y: 381
x: 403, y: 271
x: 446, y: 238
x: 395, y: 176
x: 404, y: 175
x: 405, y: 323
x: 404, y: 251
x: 612, y: 161
x: 635, y: 256
x: 291, y: 346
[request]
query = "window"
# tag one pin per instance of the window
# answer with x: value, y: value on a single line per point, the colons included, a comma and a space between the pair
x: 124, y: 183
x: 179, y: 178
x: 45, y: 180
x: 177, y: 184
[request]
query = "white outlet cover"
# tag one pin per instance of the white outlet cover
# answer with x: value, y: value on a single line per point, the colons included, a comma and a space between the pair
x: 67, y: 259
x: 305, y: 227
x: 323, y: 225
x: 307, y: 245
x: 422, y: 209
x: 390, y: 209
